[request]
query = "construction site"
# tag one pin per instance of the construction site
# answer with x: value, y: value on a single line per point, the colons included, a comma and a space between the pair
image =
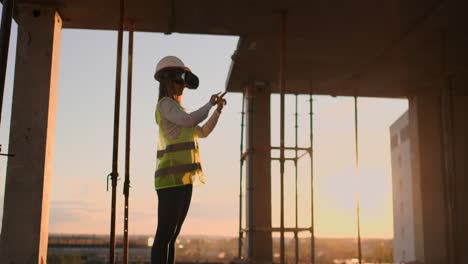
x: 414, y: 50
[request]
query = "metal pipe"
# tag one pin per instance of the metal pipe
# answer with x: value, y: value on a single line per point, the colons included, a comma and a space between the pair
x: 296, y: 127
x: 282, y: 90
x: 114, y: 174
x: 312, y: 235
x: 240, y: 245
x: 291, y: 148
x: 126, y: 190
x: 284, y: 159
x: 358, y: 209
x: 5, y: 31
x: 250, y: 167
x: 277, y: 229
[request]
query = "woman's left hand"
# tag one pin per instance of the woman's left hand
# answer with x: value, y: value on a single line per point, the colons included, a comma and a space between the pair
x: 221, y: 102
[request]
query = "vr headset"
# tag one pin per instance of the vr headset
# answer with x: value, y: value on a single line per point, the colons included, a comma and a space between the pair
x: 187, y: 78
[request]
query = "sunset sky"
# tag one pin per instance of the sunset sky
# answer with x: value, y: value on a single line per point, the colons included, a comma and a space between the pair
x: 84, y: 129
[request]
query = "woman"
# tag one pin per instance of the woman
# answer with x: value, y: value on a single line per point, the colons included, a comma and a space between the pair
x: 178, y: 158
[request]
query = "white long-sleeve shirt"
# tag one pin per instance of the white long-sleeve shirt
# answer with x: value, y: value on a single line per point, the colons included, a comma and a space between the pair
x: 173, y: 119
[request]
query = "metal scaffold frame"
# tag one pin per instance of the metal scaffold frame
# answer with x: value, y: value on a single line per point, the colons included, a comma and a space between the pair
x: 306, y: 150
x: 282, y: 229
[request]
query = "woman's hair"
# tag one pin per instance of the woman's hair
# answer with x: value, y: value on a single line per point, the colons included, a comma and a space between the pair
x: 165, y: 88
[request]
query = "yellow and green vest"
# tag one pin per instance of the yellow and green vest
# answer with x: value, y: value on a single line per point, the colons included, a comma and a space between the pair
x: 178, y: 161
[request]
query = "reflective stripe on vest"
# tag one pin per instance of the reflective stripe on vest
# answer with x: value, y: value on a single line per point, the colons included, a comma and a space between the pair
x: 176, y: 147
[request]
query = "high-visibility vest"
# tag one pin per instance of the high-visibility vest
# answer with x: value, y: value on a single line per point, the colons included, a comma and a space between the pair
x: 178, y: 161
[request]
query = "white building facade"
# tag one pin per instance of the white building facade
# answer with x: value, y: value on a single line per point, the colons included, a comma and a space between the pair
x: 404, y: 242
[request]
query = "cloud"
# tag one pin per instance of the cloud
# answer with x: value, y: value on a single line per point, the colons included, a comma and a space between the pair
x: 75, y: 216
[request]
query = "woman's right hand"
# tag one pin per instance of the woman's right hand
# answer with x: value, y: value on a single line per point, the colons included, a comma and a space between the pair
x: 214, y: 99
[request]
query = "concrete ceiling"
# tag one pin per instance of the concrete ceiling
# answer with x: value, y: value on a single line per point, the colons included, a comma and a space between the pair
x: 336, y: 47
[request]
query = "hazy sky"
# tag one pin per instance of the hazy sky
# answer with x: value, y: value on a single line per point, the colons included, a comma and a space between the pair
x: 84, y: 129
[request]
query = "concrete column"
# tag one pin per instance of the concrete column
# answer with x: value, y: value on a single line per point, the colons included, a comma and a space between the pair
x: 457, y: 70
x: 428, y: 173
x: 439, y: 153
x: 24, y: 234
x: 259, y: 239
x: 460, y: 186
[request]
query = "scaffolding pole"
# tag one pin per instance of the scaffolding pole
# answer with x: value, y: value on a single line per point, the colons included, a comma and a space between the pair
x: 114, y: 173
x: 296, y: 128
x: 282, y: 91
x: 249, y: 130
x: 312, y: 230
x: 126, y: 191
x: 242, y: 158
x: 358, y: 209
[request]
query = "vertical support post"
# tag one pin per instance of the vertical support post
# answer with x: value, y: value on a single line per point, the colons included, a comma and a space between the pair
x: 5, y: 30
x: 432, y: 200
x: 449, y: 157
x: 282, y: 81
x: 459, y: 154
x: 312, y: 228
x: 358, y: 209
x: 115, y: 154
x: 241, y: 173
x: 128, y: 138
x: 258, y: 181
x: 428, y: 168
x: 455, y: 108
x: 24, y: 236
x: 296, y: 128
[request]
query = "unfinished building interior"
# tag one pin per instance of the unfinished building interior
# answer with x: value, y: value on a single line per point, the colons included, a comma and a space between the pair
x: 397, y: 49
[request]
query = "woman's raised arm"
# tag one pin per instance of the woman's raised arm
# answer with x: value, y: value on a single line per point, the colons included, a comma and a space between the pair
x: 171, y: 111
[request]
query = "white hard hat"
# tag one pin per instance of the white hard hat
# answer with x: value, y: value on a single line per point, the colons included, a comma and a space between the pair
x: 169, y: 62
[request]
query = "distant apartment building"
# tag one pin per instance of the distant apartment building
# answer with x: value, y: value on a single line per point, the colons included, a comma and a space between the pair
x: 404, y: 242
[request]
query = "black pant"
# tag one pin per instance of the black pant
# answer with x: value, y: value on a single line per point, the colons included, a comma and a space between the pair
x: 173, y: 206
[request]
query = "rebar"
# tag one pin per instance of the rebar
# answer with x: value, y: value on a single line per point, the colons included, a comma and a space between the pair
x: 114, y: 173
x: 127, y: 140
